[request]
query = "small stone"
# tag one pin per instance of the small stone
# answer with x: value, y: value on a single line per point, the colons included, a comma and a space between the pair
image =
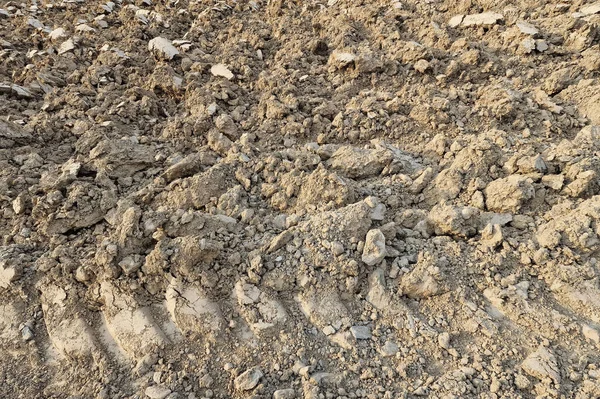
x: 378, y: 212
x: 555, y: 182
x: 328, y: 330
x: 456, y: 20
x: 222, y: 71
x: 527, y: 28
x: 57, y: 34
x: 337, y: 248
x: 361, y: 332
x: 157, y: 392
x: 374, y: 249
x: 492, y: 236
x: 19, y: 204
x: 26, y: 333
x: 289, y: 393
x: 66, y: 46
x: 444, y: 340
x: 521, y: 381
x: 163, y: 48
x: 389, y: 349
x: 249, y: 379
x: 541, y: 45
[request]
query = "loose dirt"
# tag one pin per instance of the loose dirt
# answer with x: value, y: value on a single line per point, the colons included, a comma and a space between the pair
x: 300, y: 199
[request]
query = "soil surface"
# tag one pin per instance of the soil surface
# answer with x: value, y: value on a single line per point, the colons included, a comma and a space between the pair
x: 300, y: 199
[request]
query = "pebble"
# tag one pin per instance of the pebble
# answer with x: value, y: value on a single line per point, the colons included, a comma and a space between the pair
x: 389, y: 349
x: 361, y: 332
x: 289, y: 393
x: 157, y: 392
x: 222, y: 71
x: 444, y: 340
x: 248, y: 379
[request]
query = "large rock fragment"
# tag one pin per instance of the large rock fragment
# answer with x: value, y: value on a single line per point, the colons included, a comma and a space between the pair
x: 576, y: 228
x: 374, y: 250
x: 508, y: 194
x: 121, y: 158
x: 248, y: 380
x: 357, y: 162
x: 542, y: 364
x: 163, y: 48
x: 455, y: 221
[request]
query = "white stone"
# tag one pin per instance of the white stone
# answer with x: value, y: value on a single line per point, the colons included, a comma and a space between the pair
x: 157, y: 392
x: 374, y: 250
x: 163, y: 47
x: 66, y: 46
x: 527, y: 28
x: 248, y: 379
x: 590, y: 9
x: 483, y: 19
x: 222, y: 71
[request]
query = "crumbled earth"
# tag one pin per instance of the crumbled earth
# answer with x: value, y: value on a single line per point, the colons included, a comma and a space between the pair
x: 300, y: 199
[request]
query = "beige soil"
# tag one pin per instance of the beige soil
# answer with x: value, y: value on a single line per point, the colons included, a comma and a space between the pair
x: 300, y: 199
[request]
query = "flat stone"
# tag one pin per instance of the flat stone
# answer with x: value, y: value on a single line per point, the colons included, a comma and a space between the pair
x: 248, y: 379
x: 527, y: 28
x: 389, y: 349
x: 361, y: 332
x: 542, y: 364
x: 483, y: 19
x: 157, y: 392
x: 163, y: 48
x: 590, y: 9
x: 222, y: 71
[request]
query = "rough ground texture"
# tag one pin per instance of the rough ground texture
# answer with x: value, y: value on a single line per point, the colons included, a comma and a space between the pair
x: 300, y: 199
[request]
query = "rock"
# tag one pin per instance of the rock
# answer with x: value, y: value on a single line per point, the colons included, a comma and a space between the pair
x: 591, y: 333
x: 542, y: 364
x: 157, y: 392
x: 356, y: 162
x: 508, y: 194
x: 526, y: 28
x: 66, y: 46
x: 590, y: 9
x: 491, y: 236
x: 289, y: 393
x: 222, y: 71
x: 455, y: 221
x: 374, y: 250
x: 421, y: 66
x: 389, y: 349
x: 554, y: 182
x: 444, y: 340
x: 163, y: 48
x: 248, y: 380
x: 57, y: 34
x: 361, y: 332
x: 27, y: 334
x: 483, y: 19
x: 456, y: 20
x: 280, y: 240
